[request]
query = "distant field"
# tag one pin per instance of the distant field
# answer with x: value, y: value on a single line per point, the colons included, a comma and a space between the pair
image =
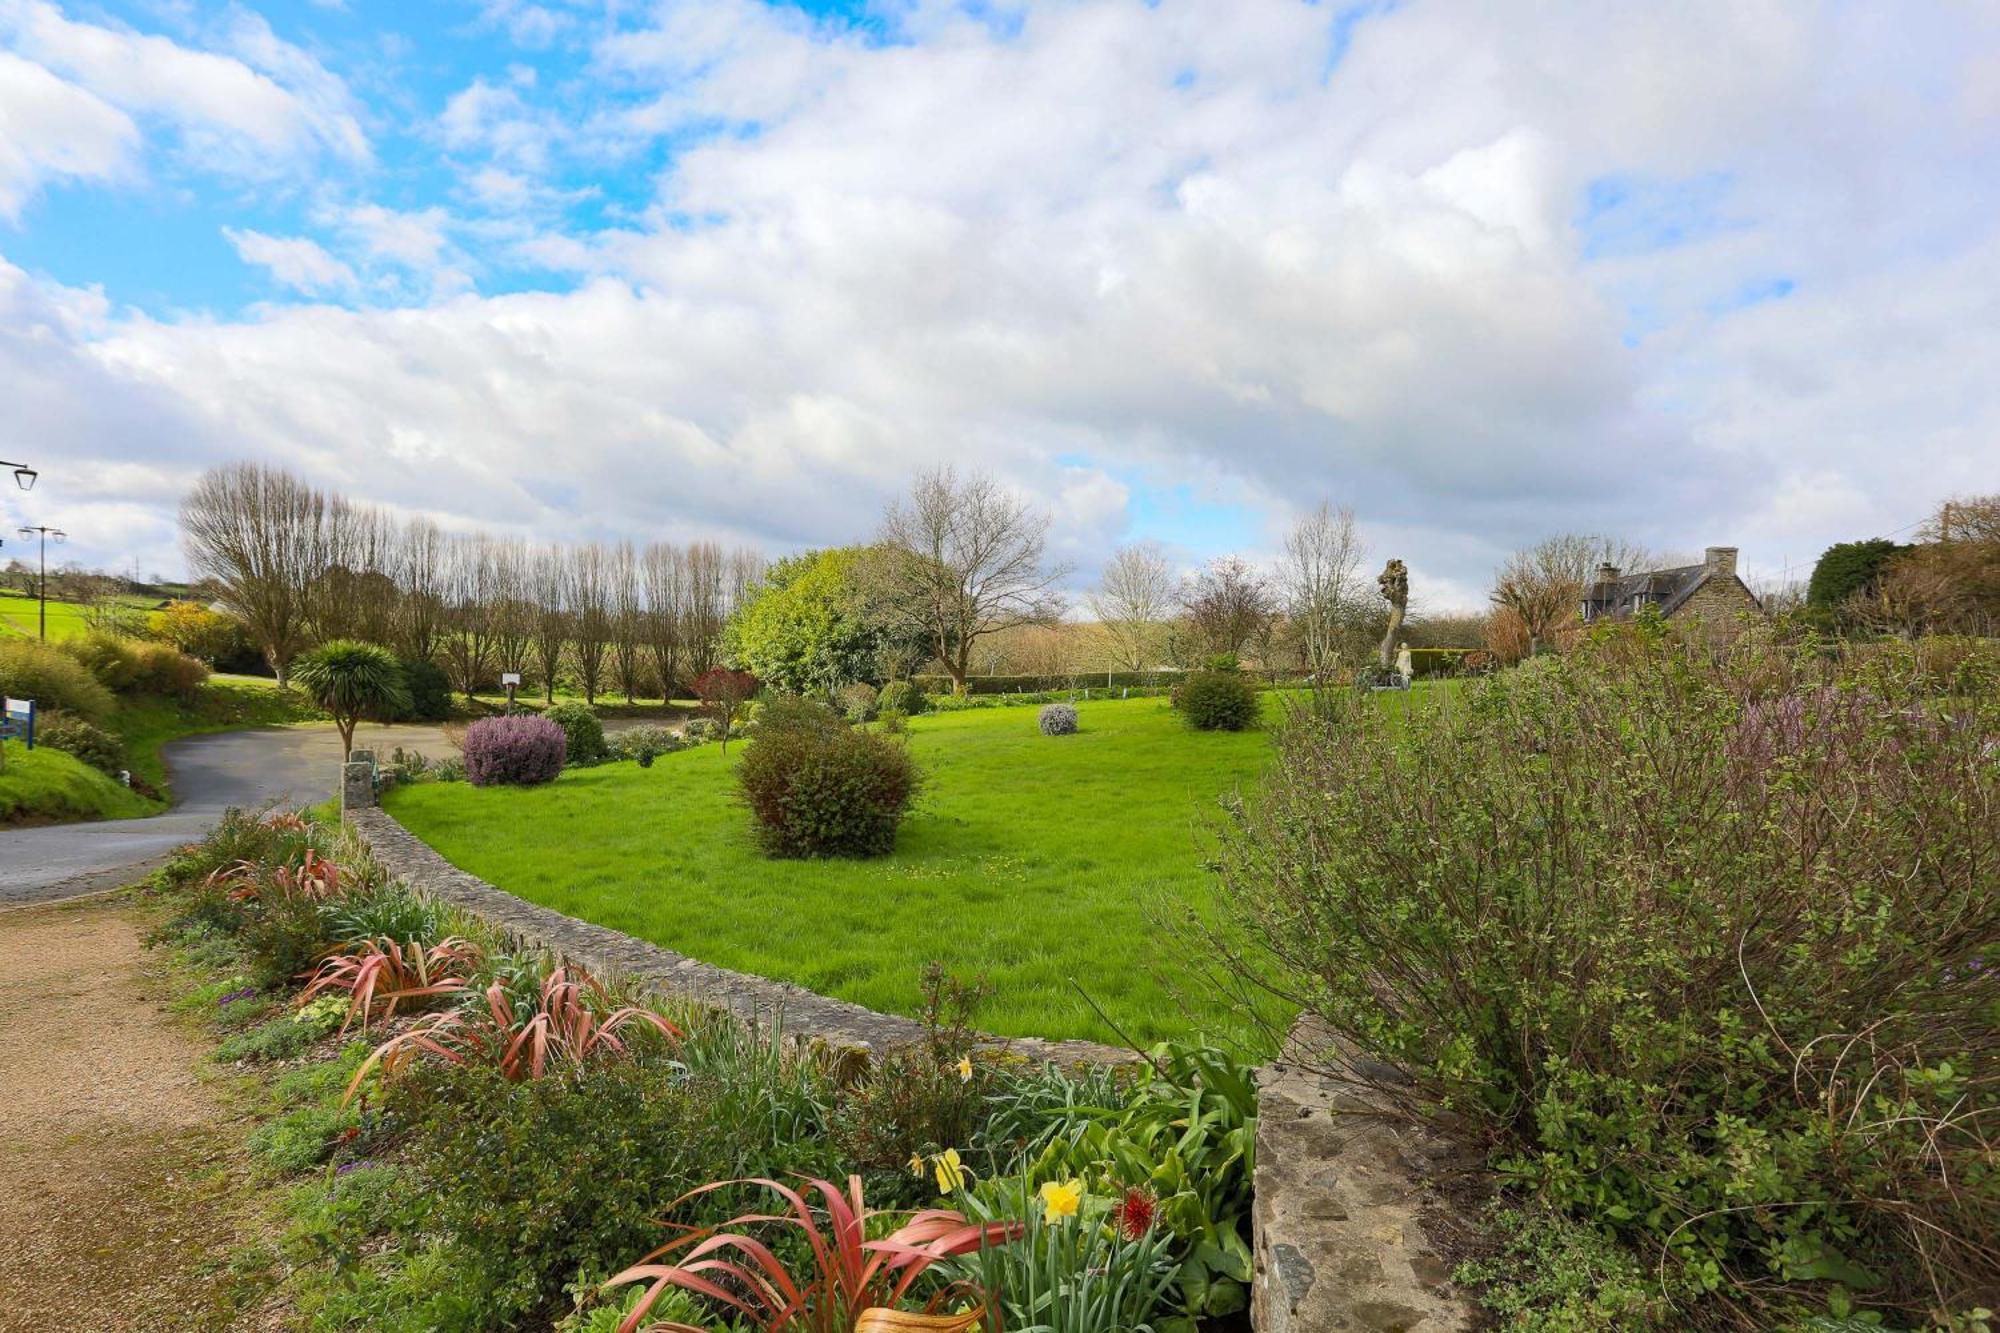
x: 19, y: 615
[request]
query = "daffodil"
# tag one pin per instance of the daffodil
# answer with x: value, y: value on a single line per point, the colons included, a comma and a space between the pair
x: 1061, y: 1200
x: 965, y: 1069
x: 950, y: 1175
x: 917, y: 1165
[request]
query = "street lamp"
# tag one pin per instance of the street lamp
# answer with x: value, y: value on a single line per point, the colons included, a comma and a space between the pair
x: 24, y: 476
x: 44, y: 533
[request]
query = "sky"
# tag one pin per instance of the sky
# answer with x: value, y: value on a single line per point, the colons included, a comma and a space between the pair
x: 1691, y: 274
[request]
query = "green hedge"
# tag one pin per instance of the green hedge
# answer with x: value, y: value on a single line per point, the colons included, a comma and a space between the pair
x: 1080, y: 680
x: 1436, y: 661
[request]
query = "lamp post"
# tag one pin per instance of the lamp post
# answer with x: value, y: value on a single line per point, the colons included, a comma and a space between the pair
x: 42, y: 587
x: 24, y: 476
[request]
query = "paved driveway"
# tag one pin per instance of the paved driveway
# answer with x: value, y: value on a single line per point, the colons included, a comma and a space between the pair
x: 209, y: 774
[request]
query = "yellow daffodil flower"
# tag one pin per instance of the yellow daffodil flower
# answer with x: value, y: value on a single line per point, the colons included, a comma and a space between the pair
x: 950, y: 1175
x: 917, y: 1165
x: 1060, y: 1201
x: 965, y: 1069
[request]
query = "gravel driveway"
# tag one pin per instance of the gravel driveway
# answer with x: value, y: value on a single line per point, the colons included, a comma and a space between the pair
x: 295, y: 766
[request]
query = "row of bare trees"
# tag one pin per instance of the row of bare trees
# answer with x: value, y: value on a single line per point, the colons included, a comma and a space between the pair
x: 300, y: 566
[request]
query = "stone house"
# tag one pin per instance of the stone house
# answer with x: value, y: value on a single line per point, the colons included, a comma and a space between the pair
x: 1710, y: 591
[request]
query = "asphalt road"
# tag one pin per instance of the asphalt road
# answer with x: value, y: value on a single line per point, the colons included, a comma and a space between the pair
x: 209, y: 774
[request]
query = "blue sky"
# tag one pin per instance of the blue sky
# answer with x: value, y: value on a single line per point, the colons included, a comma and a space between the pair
x: 1176, y: 269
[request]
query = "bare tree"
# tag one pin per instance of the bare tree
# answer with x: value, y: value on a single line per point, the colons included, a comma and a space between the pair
x: 549, y: 580
x: 1132, y: 603
x: 1320, y: 576
x: 514, y: 609
x: 589, y: 601
x: 628, y: 628
x: 1226, y: 604
x: 706, y: 607
x: 964, y: 560
x: 259, y: 533
x: 418, y: 569
x: 1543, y: 585
x: 470, y: 597
x: 666, y: 583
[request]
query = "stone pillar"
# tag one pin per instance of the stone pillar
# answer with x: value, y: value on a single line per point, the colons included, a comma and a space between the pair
x: 357, y: 781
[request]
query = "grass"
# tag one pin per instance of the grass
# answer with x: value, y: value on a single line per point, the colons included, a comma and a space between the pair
x: 45, y: 785
x: 22, y: 615
x: 1030, y: 860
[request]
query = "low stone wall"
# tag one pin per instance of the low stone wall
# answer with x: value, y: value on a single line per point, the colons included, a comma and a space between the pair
x: 610, y: 953
x: 1344, y: 1215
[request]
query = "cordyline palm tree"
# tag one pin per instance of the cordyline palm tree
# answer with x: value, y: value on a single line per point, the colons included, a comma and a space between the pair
x: 350, y: 679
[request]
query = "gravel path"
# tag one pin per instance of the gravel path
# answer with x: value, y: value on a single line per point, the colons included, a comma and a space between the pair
x: 117, y: 1163
x: 297, y: 766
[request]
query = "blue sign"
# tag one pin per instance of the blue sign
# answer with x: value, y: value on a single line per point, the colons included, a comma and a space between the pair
x: 19, y: 721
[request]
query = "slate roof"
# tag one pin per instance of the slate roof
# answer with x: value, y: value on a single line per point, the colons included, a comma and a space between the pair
x: 1665, y: 588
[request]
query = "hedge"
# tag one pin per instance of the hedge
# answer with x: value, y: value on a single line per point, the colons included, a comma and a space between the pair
x: 1079, y: 680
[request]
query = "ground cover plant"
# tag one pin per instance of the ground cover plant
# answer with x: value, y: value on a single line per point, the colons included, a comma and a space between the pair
x: 1034, y: 863
x: 1698, y: 943
x: 551, y: 1178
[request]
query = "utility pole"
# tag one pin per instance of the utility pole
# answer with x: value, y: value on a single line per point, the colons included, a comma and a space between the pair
x: 42, y: 588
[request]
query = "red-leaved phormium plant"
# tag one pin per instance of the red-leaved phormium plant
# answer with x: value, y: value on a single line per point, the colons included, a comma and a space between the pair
x: 380, y: 974
x: 315, y: 877
x: 853, y: 1284
x: 571, y: 1023
x: 513, y: 751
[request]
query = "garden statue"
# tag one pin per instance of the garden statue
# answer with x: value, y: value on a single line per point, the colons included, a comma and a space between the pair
x: 1405, y: 667
x: 1395, y: 586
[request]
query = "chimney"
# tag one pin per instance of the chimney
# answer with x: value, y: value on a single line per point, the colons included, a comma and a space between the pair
x: 1720, y: 559
x: 1607, y: 573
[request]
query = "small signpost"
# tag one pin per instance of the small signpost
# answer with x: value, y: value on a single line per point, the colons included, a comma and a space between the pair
x: 512, y: 680
x: 18, y: 720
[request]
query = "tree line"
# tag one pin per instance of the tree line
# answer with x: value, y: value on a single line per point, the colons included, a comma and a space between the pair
x: 298, y: 566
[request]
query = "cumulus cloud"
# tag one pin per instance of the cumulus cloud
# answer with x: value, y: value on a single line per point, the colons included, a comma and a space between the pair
x: 1484, y: 271
x: 51, y: 129
x: 296, y: 261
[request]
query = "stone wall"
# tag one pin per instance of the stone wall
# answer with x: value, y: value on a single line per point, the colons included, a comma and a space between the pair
x: 1345, y: 1220
x: 609, y: 953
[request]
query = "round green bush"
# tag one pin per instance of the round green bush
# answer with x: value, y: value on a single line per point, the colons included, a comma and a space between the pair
x: 430, y: 692
x: 30, y: 669
x: 162, y: 669
x: 826, y: 791
x: 1218, y: 701
x: 74, y: 736
x: 859, y: 701
x: 902, y: 696
x: 581, y: 729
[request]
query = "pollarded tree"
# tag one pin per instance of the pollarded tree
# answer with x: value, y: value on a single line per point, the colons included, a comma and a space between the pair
x: 351, y: 680
x: 961, y: 560
x: 589, y: 600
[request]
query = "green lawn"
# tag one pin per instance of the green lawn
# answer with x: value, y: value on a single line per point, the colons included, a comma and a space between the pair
x: 20, y: 615
x: 48, y: 786
x: 1031, y: 860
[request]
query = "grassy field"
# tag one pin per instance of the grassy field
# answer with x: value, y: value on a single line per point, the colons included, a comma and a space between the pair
x: 1030, y: 860
x: 44, y: 785
x: 19, y: 615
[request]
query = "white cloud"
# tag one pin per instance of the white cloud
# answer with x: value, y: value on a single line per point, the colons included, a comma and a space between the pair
x: 272, y: 110
x: 50, y: 129
x: 296, y: 261
x: 1135, y: 248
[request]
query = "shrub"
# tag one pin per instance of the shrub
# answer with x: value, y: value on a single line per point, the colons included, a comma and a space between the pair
x: 792, y: 712
x: 513, y: 751
x: 859, y: 701
x: 646, y: 743
x: 1659, y: 923
x: 56, y: 681
x: 1057, y: 719
x: 723, y: 691
x: 582, y: 732
x: 112, y: 661
x: 162, y: 669
x: 73, y: 736
x: 430, y: 692
x: 536, y: 1182
x: 829, y: 792
x: 902, y: 696
x: 1218, y: 701
x: 700, y: 731
x: 208, y: 636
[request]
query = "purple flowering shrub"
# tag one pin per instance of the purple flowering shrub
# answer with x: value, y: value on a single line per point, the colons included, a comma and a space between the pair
x: 513, y: 751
